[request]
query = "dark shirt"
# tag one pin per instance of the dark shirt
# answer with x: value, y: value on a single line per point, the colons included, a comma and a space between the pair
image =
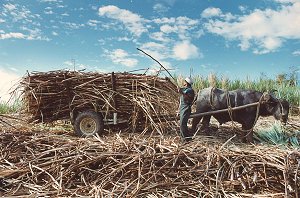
x: 187, y: 96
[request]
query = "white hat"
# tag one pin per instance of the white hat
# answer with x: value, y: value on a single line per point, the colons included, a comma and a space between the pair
x: 189, y: 80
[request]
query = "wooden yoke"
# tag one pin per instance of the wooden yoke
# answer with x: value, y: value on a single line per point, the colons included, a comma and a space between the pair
x: 193, y: 115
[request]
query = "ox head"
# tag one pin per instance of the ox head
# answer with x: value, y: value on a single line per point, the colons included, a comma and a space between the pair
x: 279, y: 108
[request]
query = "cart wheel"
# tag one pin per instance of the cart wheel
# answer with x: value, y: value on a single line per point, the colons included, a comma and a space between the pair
x: 88, y: 123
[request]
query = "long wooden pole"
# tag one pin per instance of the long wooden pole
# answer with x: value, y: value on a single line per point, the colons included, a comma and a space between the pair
x: 158, y: 63
x: 194, y: 115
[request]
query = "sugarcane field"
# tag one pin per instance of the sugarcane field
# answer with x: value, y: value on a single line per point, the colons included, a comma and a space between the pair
x: 89, y: 134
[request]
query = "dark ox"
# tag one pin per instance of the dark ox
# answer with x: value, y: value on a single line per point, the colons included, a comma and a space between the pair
x: 211, y: 99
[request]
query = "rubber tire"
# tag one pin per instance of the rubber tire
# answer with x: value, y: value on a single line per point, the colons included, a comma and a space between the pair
x: 88, y: 123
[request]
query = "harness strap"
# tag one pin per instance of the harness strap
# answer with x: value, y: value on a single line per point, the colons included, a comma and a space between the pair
x: 230, y: 112
x: 211, y: 98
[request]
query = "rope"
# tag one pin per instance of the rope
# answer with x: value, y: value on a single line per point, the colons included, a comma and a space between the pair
x: 211, y: 97
x: 230, y: 112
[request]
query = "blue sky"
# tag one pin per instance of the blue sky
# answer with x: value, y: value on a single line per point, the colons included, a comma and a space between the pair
x: 232, y: 38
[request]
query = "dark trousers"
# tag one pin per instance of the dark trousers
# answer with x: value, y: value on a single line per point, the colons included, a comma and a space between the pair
x: 185, y: 112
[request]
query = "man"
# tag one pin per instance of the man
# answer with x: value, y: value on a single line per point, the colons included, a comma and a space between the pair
x: 186, y: 102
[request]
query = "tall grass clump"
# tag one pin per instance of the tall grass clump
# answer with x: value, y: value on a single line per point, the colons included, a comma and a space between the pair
x: 225, y: 82
x: 290, y: 93
x: 10, y: 107
x: 200, y: 82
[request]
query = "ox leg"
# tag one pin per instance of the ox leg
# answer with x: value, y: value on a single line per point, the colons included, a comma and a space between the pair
x: 205, y: 124
x: 248, y: 134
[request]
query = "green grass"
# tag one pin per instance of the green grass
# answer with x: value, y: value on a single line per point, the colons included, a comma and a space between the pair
x: 7, y: 108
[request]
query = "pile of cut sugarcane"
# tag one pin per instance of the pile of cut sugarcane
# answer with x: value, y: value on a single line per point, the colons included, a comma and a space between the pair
x: 142, y: 99
x: 132, y: 165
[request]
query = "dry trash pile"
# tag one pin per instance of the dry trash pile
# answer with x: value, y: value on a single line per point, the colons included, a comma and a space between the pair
x: 129, y: 165
x: 142, y: 99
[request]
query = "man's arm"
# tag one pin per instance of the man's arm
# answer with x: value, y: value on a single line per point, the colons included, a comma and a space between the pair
x: 180, y: 90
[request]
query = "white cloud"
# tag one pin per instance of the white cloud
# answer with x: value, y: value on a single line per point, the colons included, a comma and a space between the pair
x: 242, y: 8
x: 92, y: 23
x: 24, y: 32
x: 182, y: 20
x: 181, y: 26
x: 159, y: 36
x: 2, y: 20
x: 10, y: 35
x: 54, y: 33
x: 268, y: 44
x: 160, y: 8
x: 9, y: 7
x: 35, y: 34
x: 124, y: 38
x: 164, y: 20
x: 286, y: 1
x: 262, y: 30
x: 18, y: 12
x: 131, y: 21
x: 296, y: 53
x: 120, y: 56
x: 8, y: 81
x: 180, y: 29
x: 72, y: 26
x: 216, y: 12
x: 185, y: 50
x: 48, y: 12
x: 156, y: 50
x: 244, y: 45
x: 211, y: 12
x: 168, y: 28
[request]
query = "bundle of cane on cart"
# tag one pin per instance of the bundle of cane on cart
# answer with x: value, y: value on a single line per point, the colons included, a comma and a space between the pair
x: 92, y: 100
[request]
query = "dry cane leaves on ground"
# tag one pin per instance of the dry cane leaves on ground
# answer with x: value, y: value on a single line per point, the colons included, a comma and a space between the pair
x: 139, y: 166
